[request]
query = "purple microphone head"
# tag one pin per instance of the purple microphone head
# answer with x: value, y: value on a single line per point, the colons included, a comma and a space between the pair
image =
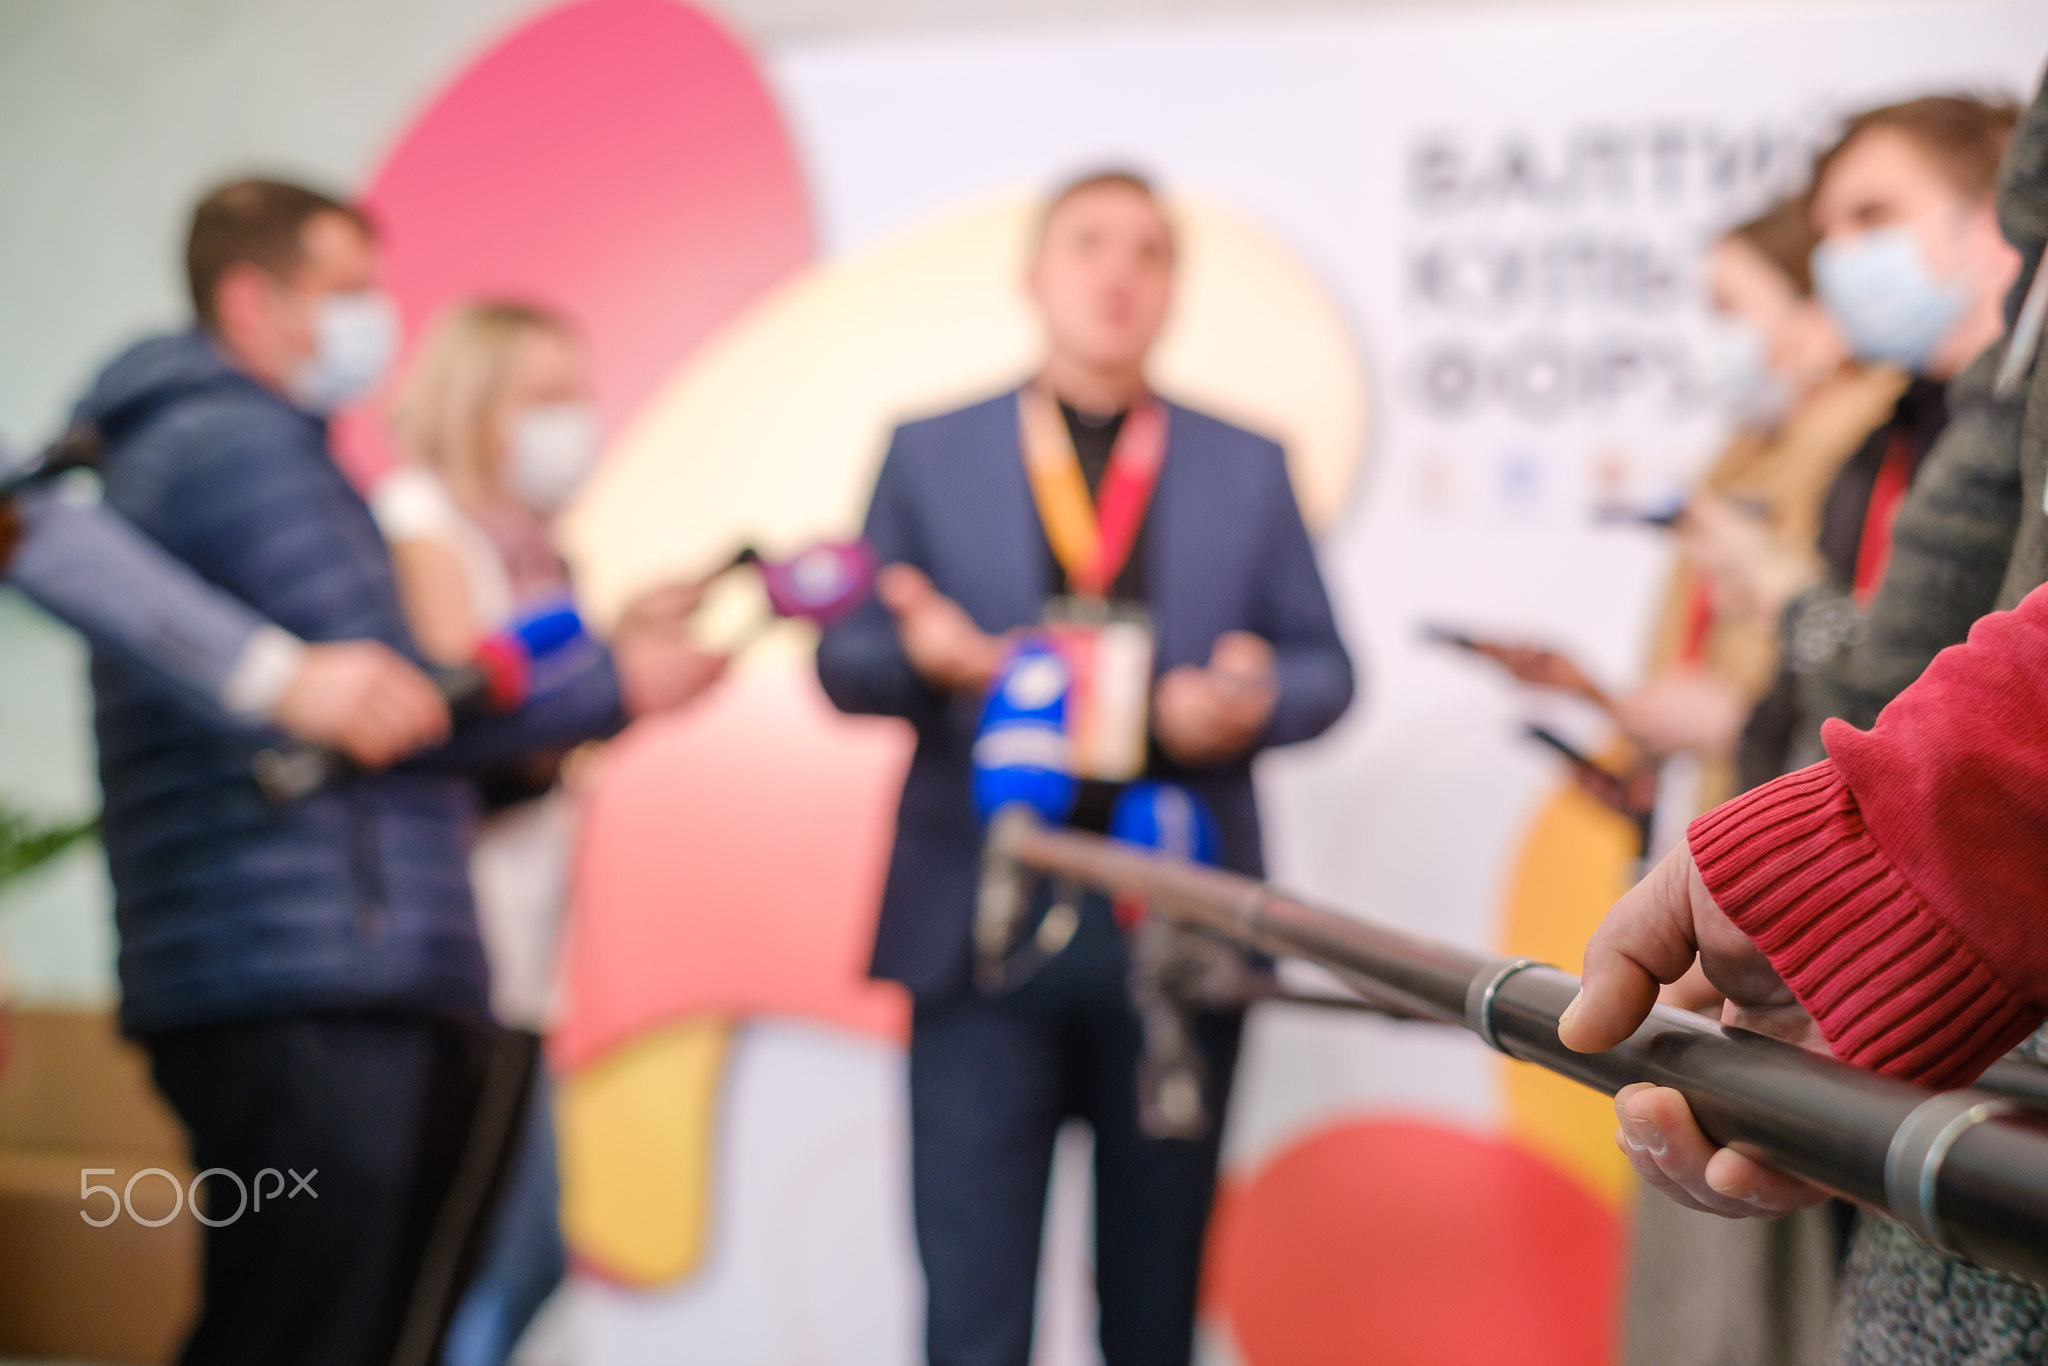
x: 822, y: 583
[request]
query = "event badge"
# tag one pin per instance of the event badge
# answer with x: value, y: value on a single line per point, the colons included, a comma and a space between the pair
x: 1107, y: 644
x: 1108, y: 649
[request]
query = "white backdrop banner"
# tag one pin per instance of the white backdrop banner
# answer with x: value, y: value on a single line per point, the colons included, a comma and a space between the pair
x: 1510, y: 211
x: 1510, y: 214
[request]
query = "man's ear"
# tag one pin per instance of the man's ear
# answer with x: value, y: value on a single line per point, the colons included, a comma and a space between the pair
x: 242, y: 303
x: 1997, y: 258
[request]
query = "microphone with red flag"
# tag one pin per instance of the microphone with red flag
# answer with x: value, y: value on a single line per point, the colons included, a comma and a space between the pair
x: 498, y: 679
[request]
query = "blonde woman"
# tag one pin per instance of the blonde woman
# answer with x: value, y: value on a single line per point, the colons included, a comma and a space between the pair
x: 496, y: 430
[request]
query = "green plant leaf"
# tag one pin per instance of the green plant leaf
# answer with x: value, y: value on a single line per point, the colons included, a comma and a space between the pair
x: 26, y: 844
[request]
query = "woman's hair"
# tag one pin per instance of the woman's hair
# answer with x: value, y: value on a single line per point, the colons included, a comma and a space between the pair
x: 443, y: 412
x: 1783, y: 235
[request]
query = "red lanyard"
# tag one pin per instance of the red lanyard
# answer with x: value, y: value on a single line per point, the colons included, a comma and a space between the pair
x: 1092, y: 538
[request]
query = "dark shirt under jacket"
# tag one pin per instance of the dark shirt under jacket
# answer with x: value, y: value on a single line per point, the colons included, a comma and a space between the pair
x: 1094, y: 440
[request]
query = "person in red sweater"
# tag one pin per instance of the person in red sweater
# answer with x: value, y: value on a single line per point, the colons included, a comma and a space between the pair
x: 1888, y: 905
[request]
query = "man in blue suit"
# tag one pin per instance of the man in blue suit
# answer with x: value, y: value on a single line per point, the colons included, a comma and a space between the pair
x: 1194, y: 528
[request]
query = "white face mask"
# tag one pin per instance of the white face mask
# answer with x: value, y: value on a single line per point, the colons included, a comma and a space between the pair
x: 355, y: 339
x: 549, y: 452
x: 1728, y: 364
x: 1888, y: 304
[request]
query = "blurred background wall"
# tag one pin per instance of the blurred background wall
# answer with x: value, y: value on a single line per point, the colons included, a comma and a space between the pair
x: 118, y: 111
x: 1396, y: 161
x: 95, y: 195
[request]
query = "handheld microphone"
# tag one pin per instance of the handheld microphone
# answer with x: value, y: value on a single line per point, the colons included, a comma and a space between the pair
x: 496, y: 681
x: 1169, y: 818
x: 1022, y: 762
x: 77, y: 449
x: 1021, y: 751
x: 503, y: 668
x: 819, y: 584
x: 1171, y: 966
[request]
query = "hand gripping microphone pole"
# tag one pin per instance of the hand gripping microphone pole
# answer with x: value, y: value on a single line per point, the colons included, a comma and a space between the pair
x: 1967, y: 1171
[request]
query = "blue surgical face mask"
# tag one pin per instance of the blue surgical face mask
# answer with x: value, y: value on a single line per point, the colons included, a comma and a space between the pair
x: 1889, y: 306
x: 1728, y: 364
x: 551, y: 449
x: 355, y: 338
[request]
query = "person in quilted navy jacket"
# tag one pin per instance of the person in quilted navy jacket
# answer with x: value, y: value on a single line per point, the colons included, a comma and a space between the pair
x: 306, y: 977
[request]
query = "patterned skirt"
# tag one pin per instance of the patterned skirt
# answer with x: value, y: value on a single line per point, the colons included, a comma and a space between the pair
x: 1904, y: 1304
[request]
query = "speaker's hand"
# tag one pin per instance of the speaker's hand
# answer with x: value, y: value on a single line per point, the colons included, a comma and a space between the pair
x: 942, y: 642
x: 1217, y: 712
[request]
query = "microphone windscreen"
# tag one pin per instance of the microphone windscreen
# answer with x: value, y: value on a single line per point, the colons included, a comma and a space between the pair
x: 821, y: 584
x: 503, y: 666
x: 1021, y: 752
x: 506, y: 673
x: 548, y: 627
x: 1169, y: 818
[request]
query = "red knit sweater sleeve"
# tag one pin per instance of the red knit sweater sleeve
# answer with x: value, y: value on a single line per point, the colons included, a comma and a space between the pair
x: 1901, y: 887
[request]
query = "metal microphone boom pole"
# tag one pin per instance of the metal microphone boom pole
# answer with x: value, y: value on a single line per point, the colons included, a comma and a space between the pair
x: 1965, y: 1170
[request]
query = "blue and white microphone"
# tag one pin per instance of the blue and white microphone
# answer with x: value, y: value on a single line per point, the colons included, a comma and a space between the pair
x: 1169, y: 818
x: 501, y: 676
x: 1021, y: 752
x: 1023, y: 770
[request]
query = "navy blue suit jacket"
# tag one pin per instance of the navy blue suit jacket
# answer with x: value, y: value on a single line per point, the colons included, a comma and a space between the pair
x: 1227, y: 551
